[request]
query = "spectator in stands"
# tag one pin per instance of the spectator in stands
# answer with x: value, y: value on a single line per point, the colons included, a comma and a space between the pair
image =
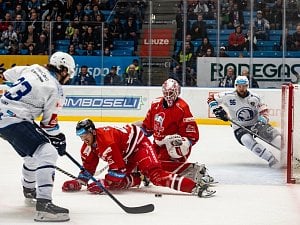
x: 19, y: 26
x: 71, y: 50
x: 222, y: 52
x: 252, y: 82
x: 130, y: 31
x: 30, y: 49
x: 209, y: 53
x: 224, y: 17
x: 201, y: 50
x: 34, y: 4
x: 236, y: 40
x: 236, y: 17
x: 88, y: 37
x: 296, y: 38
x: 34, y: 21
x: 179, y: 26
x: 248, y: 41
x: 261, y: 27
x: 274, y: 16
x: 112, y: 77
x: 201, y: 7
x: 5, y: 22
x: 290, y: 44
x: 107, y: 39
x: 107, y: 52
x: 52, y: 12
x: 137, y: 67
x: 228, y: 79
x: 116, y: 28
x: 30, y: 37
x: 69, y: 30
x: 199, y: 30
x: 76, y: 39
x: 83, y: 77
x: 19, y: 11
x: 42, y: 45
x: 9, y: 37
x: 78, y: 12
x: 97, y: 12
x: 59, y: 29
x: 89, y: 50
x: 130, y: 78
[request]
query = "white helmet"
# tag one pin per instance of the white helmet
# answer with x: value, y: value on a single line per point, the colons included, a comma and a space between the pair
x: 171, y: 91
x: 241, y: 80
x: 62, y: 59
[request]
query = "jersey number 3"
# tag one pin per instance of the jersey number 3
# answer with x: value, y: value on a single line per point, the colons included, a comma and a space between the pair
x: 20, y: 89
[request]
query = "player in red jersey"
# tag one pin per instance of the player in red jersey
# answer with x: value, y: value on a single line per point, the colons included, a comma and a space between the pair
x: 175, y: 131
x: 124, y: 149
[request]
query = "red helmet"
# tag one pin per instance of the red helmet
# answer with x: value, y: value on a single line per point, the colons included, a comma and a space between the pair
x: 171, y: 91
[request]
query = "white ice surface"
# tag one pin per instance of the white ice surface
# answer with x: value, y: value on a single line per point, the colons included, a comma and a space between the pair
x: 248, y: 193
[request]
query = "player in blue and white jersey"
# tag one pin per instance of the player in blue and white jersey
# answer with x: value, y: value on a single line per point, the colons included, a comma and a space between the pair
x: 36, y: 91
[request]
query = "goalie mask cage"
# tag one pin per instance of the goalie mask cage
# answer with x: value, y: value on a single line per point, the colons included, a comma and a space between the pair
x: 290, y: 130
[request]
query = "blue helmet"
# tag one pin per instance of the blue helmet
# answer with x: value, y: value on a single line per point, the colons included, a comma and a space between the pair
x: 241, y: 80
x: 84, y: 126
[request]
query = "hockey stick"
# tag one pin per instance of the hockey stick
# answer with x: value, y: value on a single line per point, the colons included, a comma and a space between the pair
x: 261, y: 138
x: 133, y: 210
x: 253, y: 133
x: 74, y: 177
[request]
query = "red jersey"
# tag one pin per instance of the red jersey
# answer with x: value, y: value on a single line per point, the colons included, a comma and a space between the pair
x: 114, y: 145
x: 178, y: 119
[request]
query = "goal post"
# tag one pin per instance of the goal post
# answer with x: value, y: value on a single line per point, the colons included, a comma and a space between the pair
x: 290, y: 130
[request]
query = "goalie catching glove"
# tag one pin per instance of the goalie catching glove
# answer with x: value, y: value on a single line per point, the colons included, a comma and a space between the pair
x: 176, y: 145
x: 220, y: 113
x: 59, y: 142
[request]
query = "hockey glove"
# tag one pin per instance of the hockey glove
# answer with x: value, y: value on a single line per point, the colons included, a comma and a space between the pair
x: 71, y: 186
x: 59, y: 142
x: 94, y: 188
x: 220, y: 113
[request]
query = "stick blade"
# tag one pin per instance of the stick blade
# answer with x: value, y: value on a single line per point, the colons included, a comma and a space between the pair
x: 139, y: 209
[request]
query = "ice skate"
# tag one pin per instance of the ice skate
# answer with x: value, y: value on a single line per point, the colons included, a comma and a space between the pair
x: 202, y: 190
x: 30, y: 196
x: 46, y: 211
x: 201, y: 175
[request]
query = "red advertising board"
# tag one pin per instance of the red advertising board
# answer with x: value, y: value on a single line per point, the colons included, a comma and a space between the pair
x: 160, y: 42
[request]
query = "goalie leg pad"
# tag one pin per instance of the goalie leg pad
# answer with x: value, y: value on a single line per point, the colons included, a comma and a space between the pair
x: 268, y: 132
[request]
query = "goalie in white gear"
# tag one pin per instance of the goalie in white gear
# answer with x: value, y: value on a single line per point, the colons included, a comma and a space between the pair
x: 36, y: 91
x: 247, y: 109
x: 175, y: 131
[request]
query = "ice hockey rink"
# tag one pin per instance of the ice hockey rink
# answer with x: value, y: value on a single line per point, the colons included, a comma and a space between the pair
x: 248, y: 192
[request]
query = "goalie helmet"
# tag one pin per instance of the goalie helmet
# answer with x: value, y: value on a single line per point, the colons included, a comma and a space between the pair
x: 241, y: 80
x: 63, y: 60
x: 171, y: 91
x: 85, y: 126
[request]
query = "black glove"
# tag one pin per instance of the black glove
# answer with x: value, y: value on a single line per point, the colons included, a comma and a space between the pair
x: 59, y: 142
x: 220, y: 113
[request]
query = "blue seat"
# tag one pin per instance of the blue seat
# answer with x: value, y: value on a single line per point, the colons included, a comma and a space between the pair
x: 65, y: 42
x: 121, y: 52
x: 123, y: 43
x: 3, y: 52
x: 267, y: 54
x: 24, y: 51
x: 293, y: 54
x: 266, y: 45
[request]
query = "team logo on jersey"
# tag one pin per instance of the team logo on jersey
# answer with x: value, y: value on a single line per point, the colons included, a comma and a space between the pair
x: 245, y: 114
x: 158, y: 122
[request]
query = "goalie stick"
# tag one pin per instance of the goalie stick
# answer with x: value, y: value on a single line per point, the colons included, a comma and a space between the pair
x: 132, y: 210
x: 261, y: 138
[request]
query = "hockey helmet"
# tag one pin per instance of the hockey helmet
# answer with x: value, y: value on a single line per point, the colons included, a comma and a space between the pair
x: 84, y: 126
x: 241, y: 80
x: 62, y: 59
x: 171, y: 91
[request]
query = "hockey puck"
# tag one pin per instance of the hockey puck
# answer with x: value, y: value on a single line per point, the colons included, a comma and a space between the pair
x: 158, y: 195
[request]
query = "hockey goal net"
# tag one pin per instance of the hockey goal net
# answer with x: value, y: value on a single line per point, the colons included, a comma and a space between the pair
x: 290, y: 129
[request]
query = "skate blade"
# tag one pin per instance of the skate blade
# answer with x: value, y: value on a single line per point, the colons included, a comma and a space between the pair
x: 30, y: 202
x: 208, y: 194
x: 49, y: 217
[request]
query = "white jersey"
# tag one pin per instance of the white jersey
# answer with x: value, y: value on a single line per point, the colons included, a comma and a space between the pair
x: 244, y: 111
x: 34, y: 92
